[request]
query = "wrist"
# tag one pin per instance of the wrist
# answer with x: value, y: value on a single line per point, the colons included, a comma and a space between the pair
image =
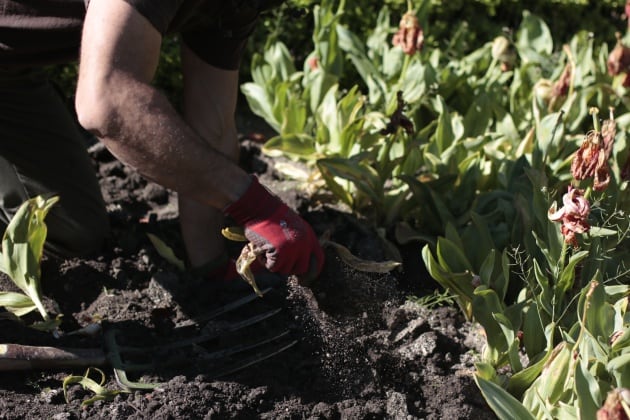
x: 256, y: 203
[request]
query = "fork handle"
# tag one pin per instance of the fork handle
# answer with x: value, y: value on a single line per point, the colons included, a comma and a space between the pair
x: 20, y: 357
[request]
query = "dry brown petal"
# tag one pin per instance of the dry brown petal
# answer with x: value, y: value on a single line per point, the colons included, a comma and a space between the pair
x: 585, y: 161
x: 609, y: 130
x: 619, y: 58
x: 561, y: 86
x: 612, y: 408
x: 602, y: 173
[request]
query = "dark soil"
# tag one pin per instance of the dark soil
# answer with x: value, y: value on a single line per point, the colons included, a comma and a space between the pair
x: 362, y: 349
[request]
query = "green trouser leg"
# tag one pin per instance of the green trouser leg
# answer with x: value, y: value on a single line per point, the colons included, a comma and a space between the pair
x: 42, y: 152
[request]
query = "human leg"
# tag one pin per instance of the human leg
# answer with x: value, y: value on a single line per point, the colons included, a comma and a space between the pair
x: 43, y: 152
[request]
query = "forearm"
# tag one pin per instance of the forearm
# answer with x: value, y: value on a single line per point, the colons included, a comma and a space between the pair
x: 140, y: 127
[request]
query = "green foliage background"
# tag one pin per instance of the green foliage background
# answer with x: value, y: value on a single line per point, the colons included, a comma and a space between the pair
x: 482, y: 19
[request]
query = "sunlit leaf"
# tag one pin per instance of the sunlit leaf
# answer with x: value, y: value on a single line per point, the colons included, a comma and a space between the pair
x: 505, y: 406
x: 360, y: 264
x: 166, y: 252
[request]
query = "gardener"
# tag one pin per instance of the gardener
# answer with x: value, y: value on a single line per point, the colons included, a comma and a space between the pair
x: 195, y: 154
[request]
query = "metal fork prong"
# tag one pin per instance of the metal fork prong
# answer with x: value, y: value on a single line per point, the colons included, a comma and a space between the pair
x: 256, y: 359
x: 239, y: 348
x: 199, y: 319
x: 230, y: 327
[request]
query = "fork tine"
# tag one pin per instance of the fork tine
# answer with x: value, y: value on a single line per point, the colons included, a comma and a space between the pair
x: 202, y: 338
x: 199, y: 319
x: 259, y: 357
x: 239, y: 348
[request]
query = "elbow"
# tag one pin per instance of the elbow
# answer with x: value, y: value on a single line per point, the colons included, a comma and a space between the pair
x: 95, y: 112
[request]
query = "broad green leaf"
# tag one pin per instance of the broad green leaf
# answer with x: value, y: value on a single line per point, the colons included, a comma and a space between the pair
x: 23, y: 247
x: 566, y: 280
x: 297, y: 145
x: 458, y: 283
x: 505, y: 406
x: 479, y: 116
x: 260, y: 104
x: 533, y: 331
x: 549, y: 134
x: 512, y: 341
x: 587, y: 391
x: 17, y: 303
x: 619, y: 367
x: 452, y: 257
x: 600, y: 315
x: 533, y: 38
x: 363, y: 176
x: 486, y: 306
x: 551, y: 383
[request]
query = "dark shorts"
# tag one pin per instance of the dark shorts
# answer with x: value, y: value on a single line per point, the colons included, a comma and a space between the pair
x: 43, y: 152
x: 220, y: 40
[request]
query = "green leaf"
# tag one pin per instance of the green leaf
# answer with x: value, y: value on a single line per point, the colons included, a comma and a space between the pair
x: 619, y: 367
x: 260, y: 103
x: 101, y: 393
x: 452, y: 257
x: 296, y: 145
x: 567, y: 277
x: 549, y: 133
x: 505, y: 406
x: 486, y: 307
x: 364, y: 177
x: 533, y: 38
x: 23, y: 247
x: 17, y: 303
x: 458, y: 283
x: 166, y: 252
x: 587, y: 391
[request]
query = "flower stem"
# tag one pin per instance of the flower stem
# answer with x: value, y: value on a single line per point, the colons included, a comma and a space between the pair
x: 594, y: 111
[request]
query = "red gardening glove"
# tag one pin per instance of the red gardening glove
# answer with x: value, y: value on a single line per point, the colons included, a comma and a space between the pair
x: 285, y: 242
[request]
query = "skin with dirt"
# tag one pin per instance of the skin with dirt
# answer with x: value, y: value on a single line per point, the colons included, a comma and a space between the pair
x: 362, y: 349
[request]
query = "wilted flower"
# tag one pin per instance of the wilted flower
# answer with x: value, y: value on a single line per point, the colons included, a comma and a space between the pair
x: 591, y: 160
x: 573, y: 215
x: 410, y: 36
x: 619, y: 60
x: 613, y: 408
x: 398, y: 119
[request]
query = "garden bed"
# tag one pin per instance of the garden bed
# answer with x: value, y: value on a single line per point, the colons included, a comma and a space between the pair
x: 363, y: 349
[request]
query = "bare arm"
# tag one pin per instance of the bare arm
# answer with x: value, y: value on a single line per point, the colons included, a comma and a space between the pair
x: 119, y: 56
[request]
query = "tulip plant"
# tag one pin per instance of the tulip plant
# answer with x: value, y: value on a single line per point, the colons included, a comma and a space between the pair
x: 22, y: 250
x: 466, y: 153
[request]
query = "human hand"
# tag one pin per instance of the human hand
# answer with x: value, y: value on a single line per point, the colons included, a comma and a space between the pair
x: 284, y: 242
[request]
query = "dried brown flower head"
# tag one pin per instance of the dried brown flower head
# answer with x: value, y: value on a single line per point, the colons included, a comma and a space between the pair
x: 613, y: 408
x: 591, y: 160
x: 410, y: 36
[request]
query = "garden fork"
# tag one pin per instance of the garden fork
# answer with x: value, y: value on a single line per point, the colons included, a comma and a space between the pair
x: 124, y: 359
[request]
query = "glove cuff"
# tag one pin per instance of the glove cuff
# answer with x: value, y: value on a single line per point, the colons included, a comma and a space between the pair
x: 256, y: 204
